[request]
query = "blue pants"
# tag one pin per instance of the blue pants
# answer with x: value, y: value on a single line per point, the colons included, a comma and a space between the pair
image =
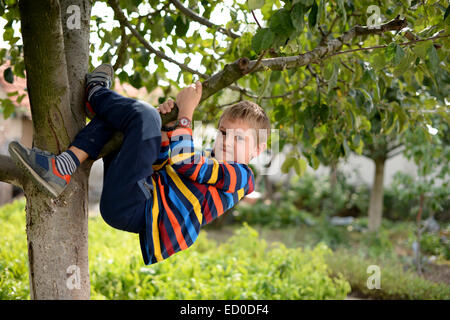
x: 122, y: 202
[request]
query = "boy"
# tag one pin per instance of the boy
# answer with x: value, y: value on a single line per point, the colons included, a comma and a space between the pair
x: 164, y: 198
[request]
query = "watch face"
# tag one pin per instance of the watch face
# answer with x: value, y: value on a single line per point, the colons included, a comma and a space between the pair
x: 184, y: 122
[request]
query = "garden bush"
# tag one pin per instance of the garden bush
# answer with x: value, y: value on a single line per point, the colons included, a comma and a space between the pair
x: 243, y: 267
x: 396, y: 282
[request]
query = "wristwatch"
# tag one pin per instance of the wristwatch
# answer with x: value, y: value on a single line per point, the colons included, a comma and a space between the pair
x: 183, y: 122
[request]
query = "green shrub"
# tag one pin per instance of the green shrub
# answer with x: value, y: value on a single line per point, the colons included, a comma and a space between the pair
x: 241, y: 268
x: 378, y: 243
x: 433, y: 244
x: 13, y: 252
x: 396, y: 282
x: 275, y: 215
x: 244, y: 267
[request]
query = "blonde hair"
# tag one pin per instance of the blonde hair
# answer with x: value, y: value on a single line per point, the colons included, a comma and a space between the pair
x: 252, y: 114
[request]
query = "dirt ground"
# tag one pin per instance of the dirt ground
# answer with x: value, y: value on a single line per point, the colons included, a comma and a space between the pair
x: 437, y: 273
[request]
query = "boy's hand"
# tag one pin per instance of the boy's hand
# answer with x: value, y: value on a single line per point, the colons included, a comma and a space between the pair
x: 166, y: 106
x: 188, y: 99
x: 163, y: 108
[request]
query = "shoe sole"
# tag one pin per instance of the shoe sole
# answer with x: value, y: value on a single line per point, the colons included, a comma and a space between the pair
x: 106, y: 69
x: 110, y: 73
x: 41, y: 183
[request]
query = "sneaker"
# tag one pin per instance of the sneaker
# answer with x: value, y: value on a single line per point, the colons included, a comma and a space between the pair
x: 41, y: 167
x: 104, y: 75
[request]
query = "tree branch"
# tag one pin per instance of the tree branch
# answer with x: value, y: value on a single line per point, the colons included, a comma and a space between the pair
x: 195, y: 17
x: 10, y: 173
x: 394, y: 154
x: 239, y: 68
x: 122, y: 49
x: 123, y: 20
x: 329, y: 47
x: 383, y: 46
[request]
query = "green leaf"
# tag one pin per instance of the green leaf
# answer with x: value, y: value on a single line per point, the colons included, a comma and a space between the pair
x: 312, y: 18
x: 378, y: 61
x: 421, y: 49
x: 262, y: 40
x: 8, y: 75
x: 390, y: 51
x: 345, y: 148
x: 181, y: 28
x: 319, y: 134
x: 169, y: 23
x: 332, y: 79
x: 356, y: 139
x: 8, y: 108
x: 281, y: 23
x: 404, y: 64
x: 359, y: 98
x: 307, y: 3
x: 136, y: 80
x: 275, y: 76
x: 297, y: 16
x: 399, y: 54
x: 255, y: 4
x: 8, y: 34
x: 447, y: 12
x: 342, y: 12
x: 433, y: 59
x: 287, y: 164
x: 322, y: 11
x: 300, y: 166
x: 315, y: 161
x: 368, y: 104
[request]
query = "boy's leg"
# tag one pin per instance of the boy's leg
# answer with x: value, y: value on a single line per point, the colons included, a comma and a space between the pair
x: 93, y: 137
x: 123, y: 199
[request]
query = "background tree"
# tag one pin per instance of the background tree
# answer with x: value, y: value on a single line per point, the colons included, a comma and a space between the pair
x: 430, y: 189
x: 317, y: 67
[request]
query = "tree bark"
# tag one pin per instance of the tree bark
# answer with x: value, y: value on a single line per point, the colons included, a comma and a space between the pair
x: 57, y: 233
x: 333, y: 174
x: 376, y: 197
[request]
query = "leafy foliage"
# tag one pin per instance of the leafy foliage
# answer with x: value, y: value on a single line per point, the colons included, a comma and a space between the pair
x: 327, y: 109
x: 396, y: 283
x: 244, y: 267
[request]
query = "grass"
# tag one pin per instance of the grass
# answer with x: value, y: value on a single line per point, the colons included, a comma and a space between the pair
x: 236, y: 263
x: 244, y: 266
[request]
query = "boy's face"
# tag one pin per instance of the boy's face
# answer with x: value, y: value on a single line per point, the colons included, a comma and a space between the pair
x: 236, y: 141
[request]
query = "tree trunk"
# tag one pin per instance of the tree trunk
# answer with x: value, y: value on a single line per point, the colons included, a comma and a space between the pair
x: 57, y: 230
x: 376, y: 196
x: 333, y: 174
x: 419, y: 234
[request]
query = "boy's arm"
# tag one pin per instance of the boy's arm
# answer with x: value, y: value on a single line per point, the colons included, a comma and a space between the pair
x: 227, y: 176
x: 163, y: 155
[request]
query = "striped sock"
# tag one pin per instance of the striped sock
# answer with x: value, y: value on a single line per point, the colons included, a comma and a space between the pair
x: 67, y: 162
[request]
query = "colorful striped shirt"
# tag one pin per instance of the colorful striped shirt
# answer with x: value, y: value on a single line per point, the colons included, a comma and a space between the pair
x: 188, y: 190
